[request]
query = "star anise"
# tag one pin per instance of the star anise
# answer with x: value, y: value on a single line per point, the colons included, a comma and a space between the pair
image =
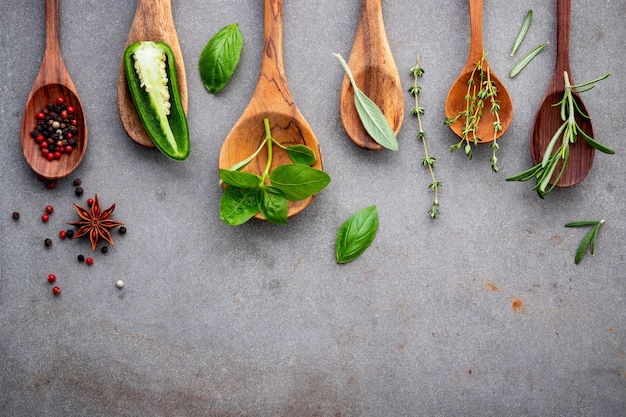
x: 96, y: 224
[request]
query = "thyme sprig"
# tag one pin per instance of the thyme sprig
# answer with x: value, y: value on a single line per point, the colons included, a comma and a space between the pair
x: 480, y: 89
x: 568, y: 133
x: 589, y: 241
x: 428, y: 161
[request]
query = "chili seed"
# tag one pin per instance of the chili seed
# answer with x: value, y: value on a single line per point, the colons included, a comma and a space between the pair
x: 16, y: 215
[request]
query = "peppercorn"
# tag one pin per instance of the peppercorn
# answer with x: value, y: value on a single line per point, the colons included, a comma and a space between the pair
x: 69, y: 234
x: 104, y: 249
x: 52, y: 278
x: 49, y: 209
x: 45, y: 218
x: 47, y: 242
x: 89, y: 261
x: 81, y: 258
x: 89, y: 201
x: 122, y: 230
x: 119, y: 284
x: 56, y: 290
x: 51, y: 185
x: 62, y: 234
x: 16, y: 215
x: 77, y: 182
x: 78, y: 191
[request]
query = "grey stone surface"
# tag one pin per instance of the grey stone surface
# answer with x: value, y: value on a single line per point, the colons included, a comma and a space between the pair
x: 259, y: 320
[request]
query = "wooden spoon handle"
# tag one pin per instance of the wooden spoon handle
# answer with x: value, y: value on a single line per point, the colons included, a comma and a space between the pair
x: 476, y: 32
x: 272, y: 65
x: 562, y: 37
x: 53, y: 45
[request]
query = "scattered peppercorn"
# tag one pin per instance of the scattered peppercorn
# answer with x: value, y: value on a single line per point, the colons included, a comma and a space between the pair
x: 45, y: 218
x: 62, y: 234
x: 47, y: 242
x: 51, y: 185
x: 123, y: 230
x: 77, y: 182
x: 120, y: 284
x: 56, y: 290
x: 69, y: 234
x: 49, y: 209
x: 78, y: 191
x: 52, y: 278
x: 81, y: 258
x: 104, y: 249
x: 16, y: 215
x: 89, y: 202
x: 89, y: 261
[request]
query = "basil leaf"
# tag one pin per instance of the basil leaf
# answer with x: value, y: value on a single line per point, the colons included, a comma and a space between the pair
x: 298, y: 181
x: 220, y: 57
x: 356, y: 234
x: 301, y: 154
x: 239, y: 179
x: 373, y: 119
x: 238, y: 205
x: 273, y: 205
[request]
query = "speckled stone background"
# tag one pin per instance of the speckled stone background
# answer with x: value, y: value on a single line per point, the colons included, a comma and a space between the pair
x: 480, y: 312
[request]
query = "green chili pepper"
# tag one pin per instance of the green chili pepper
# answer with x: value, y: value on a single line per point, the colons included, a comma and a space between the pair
x: 151, y: 77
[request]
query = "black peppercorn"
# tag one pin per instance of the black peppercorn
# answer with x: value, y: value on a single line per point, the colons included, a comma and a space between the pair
x: 123, y: 230
x: 81, y: 258
x: 77, y: 182
x: 78, y: 191
x: 69, y: 234
x: 104, y: 249
x: 16, y: 215
x: 47, y: 242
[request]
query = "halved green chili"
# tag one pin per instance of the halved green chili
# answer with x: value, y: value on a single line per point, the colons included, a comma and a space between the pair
x: 526, y: 59
x: 151, y: 77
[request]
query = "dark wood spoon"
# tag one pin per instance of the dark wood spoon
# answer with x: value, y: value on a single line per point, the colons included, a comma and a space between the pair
x: 52, y: 82
x: 375, y: 73
x: 548, y: 118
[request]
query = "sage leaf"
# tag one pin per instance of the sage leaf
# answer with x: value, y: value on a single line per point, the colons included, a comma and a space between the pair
x: 273, y: 205
x: 220, y: 57
x: 525, y: 60
x: 298, y: 181
x: 356, y: 234
x: 522, y: 32
x: 239, y: 179
x: 373, y: 119
x: 238, y: 205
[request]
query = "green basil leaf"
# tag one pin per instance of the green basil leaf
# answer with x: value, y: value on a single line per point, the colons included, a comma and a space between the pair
x: 220, y: 57
x: 238, y: 205
x: 239, y: 179
x: 373, y: 119
x: 356, y: 234
x: 301, y: 154
x: 298, y: 181
x: 273, y: 205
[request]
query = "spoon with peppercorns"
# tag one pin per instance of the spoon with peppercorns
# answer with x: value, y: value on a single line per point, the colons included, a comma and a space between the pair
x: 54, y: 129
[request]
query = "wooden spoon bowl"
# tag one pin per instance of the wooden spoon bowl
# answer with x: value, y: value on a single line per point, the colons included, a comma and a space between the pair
x: 52, y: 82
x: 375, y: 73
x: 456, y: 102
x: 271, y: 100
x: 548, y: 118
x: 152, y: 22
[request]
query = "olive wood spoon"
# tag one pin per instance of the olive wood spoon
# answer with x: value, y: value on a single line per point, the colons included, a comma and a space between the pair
x: 375, y: 73
x: 153, y: 22
x: 52, y: 82
x: 456, y: 102
x: 271, y: 100
x: 548, y: 118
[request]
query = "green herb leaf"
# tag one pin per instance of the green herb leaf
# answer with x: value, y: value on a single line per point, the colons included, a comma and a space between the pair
x: 356, y: 234
x: 589, y: 240
x: 273, y: 205
x: 522, y: 32
x: 239, y: 179
x: 298, y: 181
x: 301, y: 154
x: 373, y: 119
x: 521, y: 64
x: 220, y: 57
x: 238, y: 205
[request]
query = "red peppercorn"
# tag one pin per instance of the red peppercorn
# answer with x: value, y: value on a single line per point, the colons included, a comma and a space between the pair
x: 52, y: 278
x: 73, y: 122
x: 63, y: 114
x: 57, y: 155
x: 89, y: 201
x: 45, y: 218
x: 68, y: 149
x: 89, y: 261
x: 56, y: 290
x: 50, y: 156
x: 62, y: 234
x: 41, y: 115
x: 44, y: 152
x: 39, y: 138
x: 60, y: 100
x: 51, y: 185
x: 70, y: 109
x: 49, y: 209
x: 43, y: 145
x: 69, y: 135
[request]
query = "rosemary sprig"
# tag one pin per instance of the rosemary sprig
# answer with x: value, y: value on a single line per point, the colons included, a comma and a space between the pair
x: 568, y: 133
x: 428, y: 161
x: 478, y: 93
x: 589, y: 241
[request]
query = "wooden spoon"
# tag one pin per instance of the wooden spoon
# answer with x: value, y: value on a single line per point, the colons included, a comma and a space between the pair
x: 548, y: 118
x: 153, y: 22
x: 375, y: 73
x: 271, y: 100
x: 455, y: 102
x: 52, y: 82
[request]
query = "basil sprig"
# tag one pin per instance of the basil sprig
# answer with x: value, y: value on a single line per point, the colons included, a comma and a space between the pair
x: 356, y: 234
x: 220, y: 57
x: 269, y: 193
x: 373, y: 119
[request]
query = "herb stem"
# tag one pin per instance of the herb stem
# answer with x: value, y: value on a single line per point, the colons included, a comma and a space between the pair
x: 269, y: 139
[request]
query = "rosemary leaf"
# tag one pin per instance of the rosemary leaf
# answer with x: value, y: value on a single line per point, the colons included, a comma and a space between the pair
x: 521, y: 64
x: 522, y: 32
